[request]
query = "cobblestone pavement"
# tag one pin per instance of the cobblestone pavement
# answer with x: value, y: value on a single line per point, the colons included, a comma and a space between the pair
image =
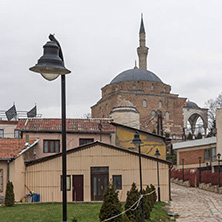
x: 194, y: 204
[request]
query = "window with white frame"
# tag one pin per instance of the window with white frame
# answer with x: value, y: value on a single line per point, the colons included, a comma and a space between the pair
x: 144, y: 103
x: 210, y: 154
x: 160, y: 104
x: 153, y: 114
x: 167, y: 116
x: 17, y: 134
x: 1, y: 133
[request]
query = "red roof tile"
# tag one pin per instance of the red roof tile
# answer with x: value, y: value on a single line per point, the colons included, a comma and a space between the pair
x: 10, y: 148
x: 72, y: 125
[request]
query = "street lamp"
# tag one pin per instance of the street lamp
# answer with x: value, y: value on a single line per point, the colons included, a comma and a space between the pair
x: 137, y: 141
x: 50, y: 66
x: 218, y: 158
x: 157, y: 154
x: 199, y: 169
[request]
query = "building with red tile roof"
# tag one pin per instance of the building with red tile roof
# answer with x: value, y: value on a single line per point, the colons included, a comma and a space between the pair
x: 10, y: 148
x: 78, y: 132
x: 72, y: 125
x: 13, y: 155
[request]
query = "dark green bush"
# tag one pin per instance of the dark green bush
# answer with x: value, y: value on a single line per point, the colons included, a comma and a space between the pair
x: 125, y: 218
x: 9, y: 195
x: 146, y: 205
x: 154, y: 196
x: 132, y: 196
x: 111, y: 205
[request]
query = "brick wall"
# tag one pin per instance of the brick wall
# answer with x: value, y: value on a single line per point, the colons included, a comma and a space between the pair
x: 138, y: 91
x: 191, y: 156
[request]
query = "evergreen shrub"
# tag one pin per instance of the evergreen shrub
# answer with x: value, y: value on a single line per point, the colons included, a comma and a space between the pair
x: 9, y: 195
x: 111, y: 205
x: 132, y: 196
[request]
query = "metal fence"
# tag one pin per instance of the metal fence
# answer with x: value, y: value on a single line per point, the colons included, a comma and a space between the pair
x: 197, y: 176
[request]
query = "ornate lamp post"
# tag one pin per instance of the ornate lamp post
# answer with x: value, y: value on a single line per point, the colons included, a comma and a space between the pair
x: 137, y: 141
x: 199, y: 169
x: 218, y: 158
x: 50, y: 66
x: 157, y: 154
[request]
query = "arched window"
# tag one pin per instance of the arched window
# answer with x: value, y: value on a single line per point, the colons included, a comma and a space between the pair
x: 167, y: 115
x: 152, y: 87
x: 160, y: 104
x: 116, y: 89
x: 144, y: 103
x: 153, y: 114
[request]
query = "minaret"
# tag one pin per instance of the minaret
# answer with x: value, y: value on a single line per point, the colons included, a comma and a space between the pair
x: 142, y: 50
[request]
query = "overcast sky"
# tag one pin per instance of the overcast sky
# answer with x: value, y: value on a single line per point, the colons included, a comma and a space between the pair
x: 99, y: 40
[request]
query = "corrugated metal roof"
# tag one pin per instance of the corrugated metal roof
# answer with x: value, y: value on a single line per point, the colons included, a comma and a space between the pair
x: 72, y: 125
x: 193, y: 143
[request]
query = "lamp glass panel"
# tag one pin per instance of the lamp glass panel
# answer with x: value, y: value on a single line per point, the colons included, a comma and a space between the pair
x: 49, y: 76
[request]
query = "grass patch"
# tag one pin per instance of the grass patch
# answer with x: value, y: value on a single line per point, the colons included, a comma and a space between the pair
x: 159, y: 213
x: 87, y: 212
x: 83, y: 212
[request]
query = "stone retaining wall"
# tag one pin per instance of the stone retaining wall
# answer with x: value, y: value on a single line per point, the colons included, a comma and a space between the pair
x: 207, y: 186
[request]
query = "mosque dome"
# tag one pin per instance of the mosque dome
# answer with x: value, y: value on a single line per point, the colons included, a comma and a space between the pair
x: 190, y: 104
x: 125, y: 105
x: 136, y: 75
x: 125, y: 113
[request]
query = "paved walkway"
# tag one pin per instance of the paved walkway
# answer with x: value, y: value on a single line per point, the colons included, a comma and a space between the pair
x: 194, y: 204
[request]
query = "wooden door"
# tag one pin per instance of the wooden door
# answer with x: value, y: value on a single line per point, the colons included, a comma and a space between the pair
x: 77, y: 188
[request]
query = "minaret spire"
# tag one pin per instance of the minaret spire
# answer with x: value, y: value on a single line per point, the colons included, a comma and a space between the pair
x: 142, y: 50
x: 142, y: 29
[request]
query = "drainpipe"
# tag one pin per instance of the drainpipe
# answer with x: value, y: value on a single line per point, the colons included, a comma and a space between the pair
x: 170, y: 168
x: 7, y: 171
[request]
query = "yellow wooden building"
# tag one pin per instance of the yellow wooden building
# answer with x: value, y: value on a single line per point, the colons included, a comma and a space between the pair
x: 89, y: 170
x: 124, y: 135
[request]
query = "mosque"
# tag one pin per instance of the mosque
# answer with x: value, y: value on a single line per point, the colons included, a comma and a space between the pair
x: 139, y: 98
